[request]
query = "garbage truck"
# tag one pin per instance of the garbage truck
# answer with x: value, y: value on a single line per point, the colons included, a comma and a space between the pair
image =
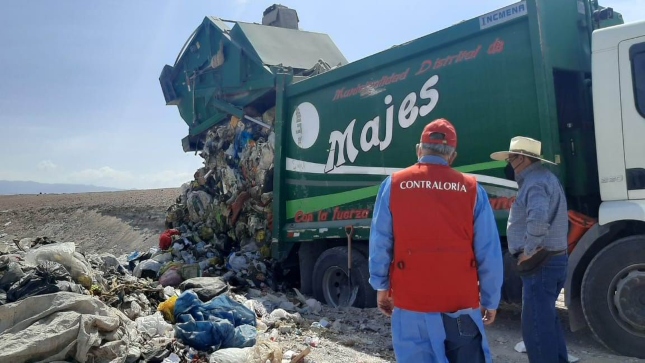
x: 569, y: 73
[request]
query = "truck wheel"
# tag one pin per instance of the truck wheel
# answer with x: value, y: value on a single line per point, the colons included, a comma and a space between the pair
x: 330, y: 275
x: 307, y: 255
x: 613, y: 296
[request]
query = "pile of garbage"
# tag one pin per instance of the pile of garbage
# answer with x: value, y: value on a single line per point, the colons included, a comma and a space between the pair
x: 57, y: 304
x: 224, y: 215
x: 220, y: 225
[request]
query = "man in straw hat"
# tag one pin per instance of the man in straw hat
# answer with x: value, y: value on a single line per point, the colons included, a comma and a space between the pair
x: 537, y: 237
x: 434, y: 249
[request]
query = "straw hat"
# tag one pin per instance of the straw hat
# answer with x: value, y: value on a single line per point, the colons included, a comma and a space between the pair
x: 521, y: 145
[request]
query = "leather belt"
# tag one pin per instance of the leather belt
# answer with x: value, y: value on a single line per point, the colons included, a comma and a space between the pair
x: 536, y: 261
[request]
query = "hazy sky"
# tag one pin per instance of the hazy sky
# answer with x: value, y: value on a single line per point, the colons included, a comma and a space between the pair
x: 80, y: 100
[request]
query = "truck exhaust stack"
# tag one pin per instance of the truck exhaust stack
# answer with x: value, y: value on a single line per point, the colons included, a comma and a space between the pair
x: 280, y: 16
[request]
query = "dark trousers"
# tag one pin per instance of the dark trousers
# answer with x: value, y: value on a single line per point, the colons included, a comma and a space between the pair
x: 541, y: 327
x: 463, y: 340
x: 432, y: 337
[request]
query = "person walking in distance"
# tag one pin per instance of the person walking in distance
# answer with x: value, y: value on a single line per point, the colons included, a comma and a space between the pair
x: 433, y: 250
x: 537, y: 238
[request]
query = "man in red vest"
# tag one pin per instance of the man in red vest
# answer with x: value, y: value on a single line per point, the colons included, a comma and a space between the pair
x: 435, y: 256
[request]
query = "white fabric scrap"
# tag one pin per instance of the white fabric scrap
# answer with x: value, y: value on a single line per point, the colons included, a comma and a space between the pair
x: 64, y: 326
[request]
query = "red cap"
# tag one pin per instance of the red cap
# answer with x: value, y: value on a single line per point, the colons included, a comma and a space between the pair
x: 440, y: 126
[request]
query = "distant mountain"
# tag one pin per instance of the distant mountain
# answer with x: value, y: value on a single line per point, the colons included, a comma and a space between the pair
x: 27, y: 187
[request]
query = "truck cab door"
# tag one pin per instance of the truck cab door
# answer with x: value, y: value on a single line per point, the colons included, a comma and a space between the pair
x: 631, y: 56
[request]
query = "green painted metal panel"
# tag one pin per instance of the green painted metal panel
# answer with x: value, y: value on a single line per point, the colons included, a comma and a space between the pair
x: 481, y: 80
x: 279, y: 249
x: 493, y: 76
x: 288, y: 47
x: 222, y: 70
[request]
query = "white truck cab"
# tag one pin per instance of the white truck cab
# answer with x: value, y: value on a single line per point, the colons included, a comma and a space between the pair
x: 606, y: 288
x: 618, y: 71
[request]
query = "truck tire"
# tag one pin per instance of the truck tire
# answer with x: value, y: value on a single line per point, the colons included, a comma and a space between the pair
x: 613, y: 296
x: 330, y: 272
x: 307, y: 255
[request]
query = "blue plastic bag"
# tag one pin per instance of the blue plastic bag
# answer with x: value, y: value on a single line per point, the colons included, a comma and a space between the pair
x: 241, y: 140
x: 219, y: 323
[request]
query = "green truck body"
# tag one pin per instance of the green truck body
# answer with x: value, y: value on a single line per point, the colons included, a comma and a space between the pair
x: 521, y: 70
x: 343, y: 131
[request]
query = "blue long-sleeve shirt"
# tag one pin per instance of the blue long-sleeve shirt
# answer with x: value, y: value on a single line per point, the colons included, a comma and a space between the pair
x: 488, y: 251
x: 538, y: 217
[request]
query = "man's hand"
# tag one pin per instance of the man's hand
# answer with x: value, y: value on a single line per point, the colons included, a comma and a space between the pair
x: 488, y: 316
x: 522, y: 257
x: 384, y: 302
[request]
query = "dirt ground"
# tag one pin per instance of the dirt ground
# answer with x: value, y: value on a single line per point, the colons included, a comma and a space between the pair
x: 113, y: 222
x: 121, y: 222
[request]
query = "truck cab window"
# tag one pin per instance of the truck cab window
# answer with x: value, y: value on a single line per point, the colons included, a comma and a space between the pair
x: 637, y: 55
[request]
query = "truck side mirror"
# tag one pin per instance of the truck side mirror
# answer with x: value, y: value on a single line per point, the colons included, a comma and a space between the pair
x: 604, y: 14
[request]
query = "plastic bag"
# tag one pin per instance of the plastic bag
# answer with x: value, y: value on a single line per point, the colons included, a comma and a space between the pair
x: 257, y: 307
x: 133, y: 310
x: 154, y: 326
x: 215, y: 333
x: 167, y: 308
x: 197, y: 203
x: 62, y: 253
x: 168, y: 266
x: 171, y: 277
x: 11, y: 276
x: 172, y: 358
x: 314, y: 306
x: 110, y: 263
x: 206, y: 288
x: 263, y: 351
x: 5, y: 260
x: 237, y: 263
x: 147, y: 268
x: 61, y: 248
x: 25, y: 244
x: 231, y: 355
x: 219, y: 323
x: 163, y: 258
x: 222, y: 307
x: 169, y: 292
x: 165, y: 239
x: 188, y: 257
x: 156, y: 349
x: 40, y: 281
x: 267, y: 352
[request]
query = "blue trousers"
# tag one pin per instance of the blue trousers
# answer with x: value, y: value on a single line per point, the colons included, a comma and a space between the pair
x: 439, y: 338
x: 541, y: 327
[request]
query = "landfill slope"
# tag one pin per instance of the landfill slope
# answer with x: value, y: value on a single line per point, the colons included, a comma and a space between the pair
x: 114, y: 222
x: 122, y: 222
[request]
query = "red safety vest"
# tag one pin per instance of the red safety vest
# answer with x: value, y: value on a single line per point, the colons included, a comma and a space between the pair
x: 434, y: 267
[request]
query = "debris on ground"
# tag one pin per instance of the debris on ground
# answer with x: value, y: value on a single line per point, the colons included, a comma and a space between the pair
x: 102, y: 308
x: 365, y: 334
